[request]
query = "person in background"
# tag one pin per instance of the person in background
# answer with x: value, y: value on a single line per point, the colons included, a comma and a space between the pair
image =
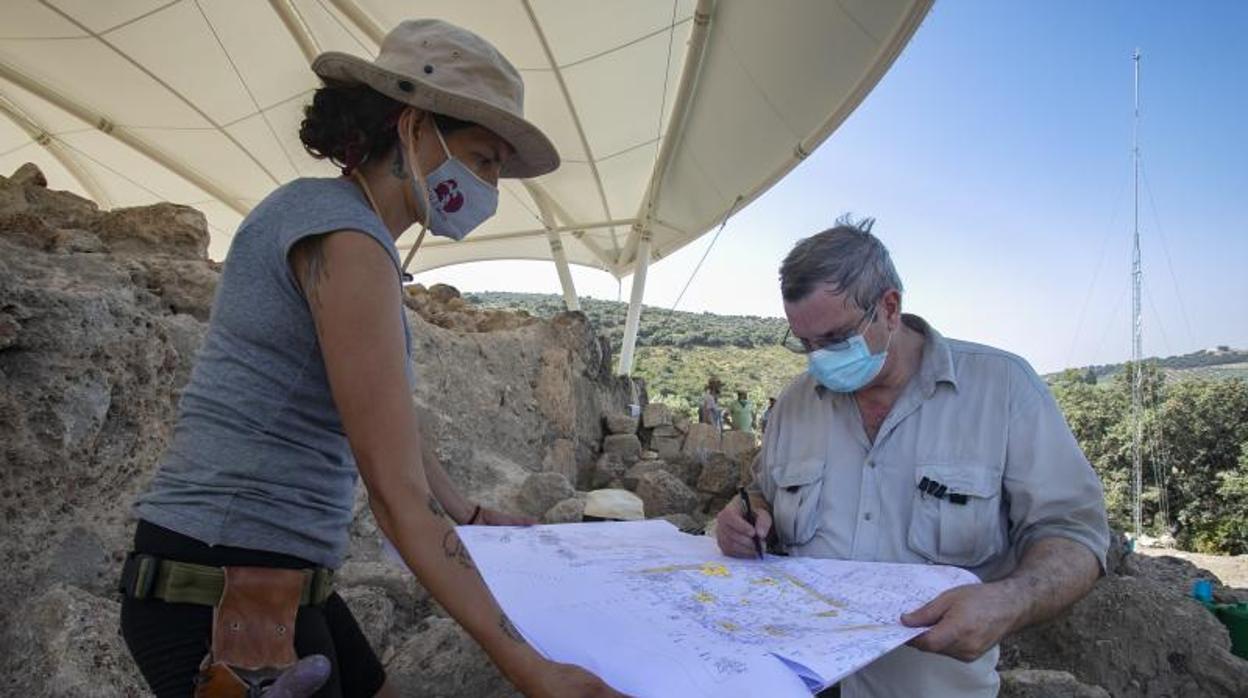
x: 741, y: 413
x: 899, y: 445
x: 709, y: 411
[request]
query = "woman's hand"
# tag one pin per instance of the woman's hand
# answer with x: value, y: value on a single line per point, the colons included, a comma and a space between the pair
x: 491, y: 517
x: 555, y: 680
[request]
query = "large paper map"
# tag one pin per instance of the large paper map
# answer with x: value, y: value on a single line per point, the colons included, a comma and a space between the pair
x: 656, y: 612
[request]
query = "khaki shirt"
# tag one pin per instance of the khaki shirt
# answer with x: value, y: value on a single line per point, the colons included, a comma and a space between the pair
x: 975, y: 419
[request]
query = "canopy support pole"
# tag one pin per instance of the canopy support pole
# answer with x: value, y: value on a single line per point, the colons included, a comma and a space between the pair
x: 570, y: 299
x: 695, y: 55
x: 556, y: 247
x: 633, y: 322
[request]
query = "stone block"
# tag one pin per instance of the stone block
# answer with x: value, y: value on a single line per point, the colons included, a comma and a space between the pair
x: 663, y: 493
x: 626, y: 446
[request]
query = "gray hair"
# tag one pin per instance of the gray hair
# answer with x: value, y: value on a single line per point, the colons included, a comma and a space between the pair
x: 846, y: 256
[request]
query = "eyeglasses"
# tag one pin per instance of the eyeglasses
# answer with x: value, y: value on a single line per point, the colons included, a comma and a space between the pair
x: 797, y: 345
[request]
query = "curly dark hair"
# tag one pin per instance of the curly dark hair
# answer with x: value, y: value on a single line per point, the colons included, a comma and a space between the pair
x: 349, y: 124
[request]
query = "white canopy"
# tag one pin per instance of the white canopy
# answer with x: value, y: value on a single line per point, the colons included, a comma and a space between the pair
x: 669, y: 114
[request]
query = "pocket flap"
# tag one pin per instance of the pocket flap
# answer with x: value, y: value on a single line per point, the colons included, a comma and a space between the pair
x: 798, y: 473
x: 976, y: 481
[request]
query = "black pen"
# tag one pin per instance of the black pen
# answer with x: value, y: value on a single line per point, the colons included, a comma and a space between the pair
x: 750, y: 518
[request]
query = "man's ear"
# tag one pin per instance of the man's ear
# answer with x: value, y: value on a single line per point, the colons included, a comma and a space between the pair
x: 892, y: 305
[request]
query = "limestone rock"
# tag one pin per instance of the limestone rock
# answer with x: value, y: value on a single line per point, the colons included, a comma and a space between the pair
x: 29, y: 175
x: 571, y: 510
x: 666, y: 440
x: 399, y: 584
x: 1038, y: 683
x: 684, y: 522
x: 737, y: 444
x: 641, y: 468
x: 541, y: 491
x: 164, y: 228
x: 442, y: 661
x: 626, y: 446
x: 561, y: 458
x: 614, y: 504
x: 620, y: 423
x: 9, y: 328
x: 720, y: 475
x: 374, y: 611
x: 656, y: 414
x: 701, y: 440
x: 685, y: 468
x: 443, y: 293
x: 664, y: 493
x: 68, y: 645
x: 607, y: 469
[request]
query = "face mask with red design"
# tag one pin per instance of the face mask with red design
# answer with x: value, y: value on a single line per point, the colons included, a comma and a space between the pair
x: 459, y: 200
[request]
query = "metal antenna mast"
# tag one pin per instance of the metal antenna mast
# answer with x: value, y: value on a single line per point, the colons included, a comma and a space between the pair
x: 1137, y: 320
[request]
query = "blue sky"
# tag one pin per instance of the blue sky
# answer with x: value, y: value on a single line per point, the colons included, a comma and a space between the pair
x: 995, y: 156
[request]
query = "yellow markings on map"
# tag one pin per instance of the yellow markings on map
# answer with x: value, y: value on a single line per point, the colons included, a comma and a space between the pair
x: 713, y: 569
x: 728, y: 625
x: 829, y: 614
x: 710, y: 569
x: 774, y: 630
x: 765, y: 581
x: 814, y: 592
x: 704, y: 597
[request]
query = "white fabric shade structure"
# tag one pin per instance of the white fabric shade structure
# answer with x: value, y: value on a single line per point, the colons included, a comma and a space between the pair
x: 669, y: 114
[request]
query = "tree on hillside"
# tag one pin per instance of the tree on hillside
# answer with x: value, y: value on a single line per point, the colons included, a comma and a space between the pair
x: 1194, y: 433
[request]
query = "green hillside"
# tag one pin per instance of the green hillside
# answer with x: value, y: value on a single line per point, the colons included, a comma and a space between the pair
x: 677, y: 351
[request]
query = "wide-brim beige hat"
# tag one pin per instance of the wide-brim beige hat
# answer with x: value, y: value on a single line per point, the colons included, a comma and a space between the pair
x: 445, y: 69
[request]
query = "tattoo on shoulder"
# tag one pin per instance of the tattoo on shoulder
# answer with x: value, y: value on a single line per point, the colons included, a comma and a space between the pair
x: 436, y: 508
x: 308, y: 260
x: 509, y: 629
x: 455, y: 549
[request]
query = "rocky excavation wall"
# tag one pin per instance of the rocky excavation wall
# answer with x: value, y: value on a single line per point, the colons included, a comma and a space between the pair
x: 101, y: 314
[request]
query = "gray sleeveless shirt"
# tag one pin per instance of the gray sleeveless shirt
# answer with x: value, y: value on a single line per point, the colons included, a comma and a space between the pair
x: 259, y: 458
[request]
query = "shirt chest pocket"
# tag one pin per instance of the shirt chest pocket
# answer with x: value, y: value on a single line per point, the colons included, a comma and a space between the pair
x: 795, y: 511
x: 960, y: 524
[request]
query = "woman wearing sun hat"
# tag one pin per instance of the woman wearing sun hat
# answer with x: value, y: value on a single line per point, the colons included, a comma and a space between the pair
x: 303, y: 382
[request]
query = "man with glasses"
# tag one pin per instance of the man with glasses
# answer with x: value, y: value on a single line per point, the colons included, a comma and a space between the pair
x: 899, y: 445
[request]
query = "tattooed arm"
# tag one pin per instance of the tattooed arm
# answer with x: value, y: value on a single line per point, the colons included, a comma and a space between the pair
x: 354, y: 296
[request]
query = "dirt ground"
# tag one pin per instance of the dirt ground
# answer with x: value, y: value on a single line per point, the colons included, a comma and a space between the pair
x: 1231, y: 569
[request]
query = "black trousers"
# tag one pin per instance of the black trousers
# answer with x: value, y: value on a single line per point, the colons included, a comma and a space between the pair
x: 169, y: 640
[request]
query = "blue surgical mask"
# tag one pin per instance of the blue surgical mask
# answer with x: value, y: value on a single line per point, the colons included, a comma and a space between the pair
x: 848, y: 366
x: 457, y: 199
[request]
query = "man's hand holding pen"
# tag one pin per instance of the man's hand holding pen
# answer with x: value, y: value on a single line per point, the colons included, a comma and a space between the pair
x: 736, y: 536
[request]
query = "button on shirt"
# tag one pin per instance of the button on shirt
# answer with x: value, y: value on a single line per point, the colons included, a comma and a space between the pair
x: 975, y: 420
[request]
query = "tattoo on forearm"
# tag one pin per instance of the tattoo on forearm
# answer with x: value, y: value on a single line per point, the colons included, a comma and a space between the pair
x: 509, y: 629
x: 454, y: 549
